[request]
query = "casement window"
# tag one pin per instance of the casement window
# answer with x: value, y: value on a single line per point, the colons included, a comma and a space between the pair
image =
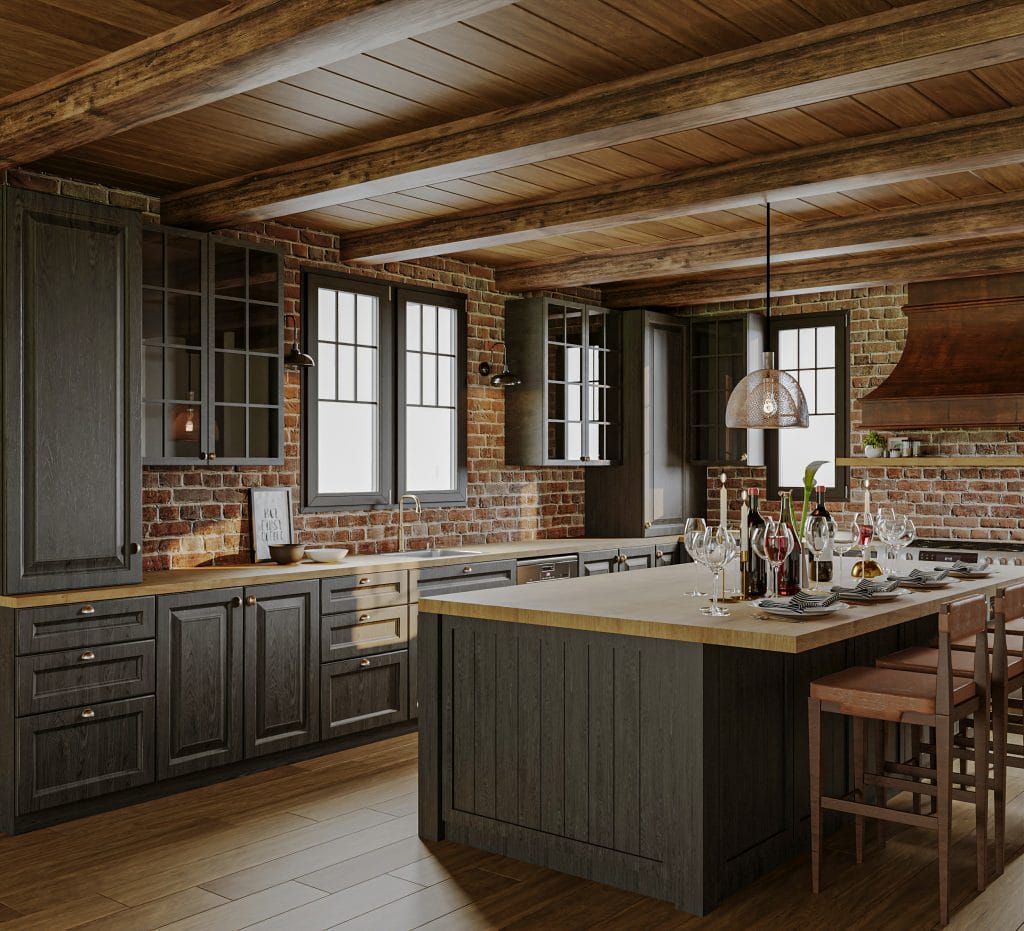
x: 384, y: 408
x: 814, y: 349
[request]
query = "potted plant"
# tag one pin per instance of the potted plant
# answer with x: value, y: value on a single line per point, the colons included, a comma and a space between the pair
x: 874, y: 445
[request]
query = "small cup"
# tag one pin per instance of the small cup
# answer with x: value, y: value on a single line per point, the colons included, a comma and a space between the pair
x: 905, y: 448
x: 915, y: 448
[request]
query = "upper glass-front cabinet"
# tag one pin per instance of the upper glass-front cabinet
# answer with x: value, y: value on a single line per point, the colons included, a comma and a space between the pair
x: 566, y: 412
x: 212, y: 345
x: 717, y: 363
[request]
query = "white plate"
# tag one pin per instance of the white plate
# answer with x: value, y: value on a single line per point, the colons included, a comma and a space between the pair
x: 925, y: 585
x: 873, y: 599
x: 807, y: 612
x: 971, y: 574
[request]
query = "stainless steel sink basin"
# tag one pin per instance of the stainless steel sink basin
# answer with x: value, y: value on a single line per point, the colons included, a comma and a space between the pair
x: 429, y: 554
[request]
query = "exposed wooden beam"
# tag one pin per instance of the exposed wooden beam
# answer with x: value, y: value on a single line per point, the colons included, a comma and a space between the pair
x: 897, y: 228
x: 966, y: 144
x: 894, y: 47
x: 883, y: 268
x: 245, y: 44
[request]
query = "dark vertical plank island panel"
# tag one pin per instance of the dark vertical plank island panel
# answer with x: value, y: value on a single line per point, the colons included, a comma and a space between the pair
x: 552, y: 735
x: 627, y: 802
x: 576, y: 751
x: 528, y: 736
x: 506, y: 725
x: 601, y: 749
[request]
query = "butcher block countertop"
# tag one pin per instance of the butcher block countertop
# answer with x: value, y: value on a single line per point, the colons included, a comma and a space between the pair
x: 212, y: 577
x: 653, y: 603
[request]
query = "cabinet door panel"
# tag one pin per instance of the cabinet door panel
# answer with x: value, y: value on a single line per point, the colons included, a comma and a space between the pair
x: 361, y: 592
x: 599, y: 562
x: 72, y: 356
x: 359, y: 633
x: 199, y: 681
x: 636, y: 557
x: 361, y: 694
x: 282, y: 663
x: 86, y: 624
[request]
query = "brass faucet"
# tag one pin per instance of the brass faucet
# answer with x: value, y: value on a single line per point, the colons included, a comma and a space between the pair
x: 401, y: 518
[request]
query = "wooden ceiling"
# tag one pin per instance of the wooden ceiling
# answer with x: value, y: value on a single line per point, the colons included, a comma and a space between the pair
x: 628, y: 144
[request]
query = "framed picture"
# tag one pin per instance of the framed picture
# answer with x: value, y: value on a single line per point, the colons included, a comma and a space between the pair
x: 270, y: 519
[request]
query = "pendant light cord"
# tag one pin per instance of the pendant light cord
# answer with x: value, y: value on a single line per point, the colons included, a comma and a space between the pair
x: 768, y: 267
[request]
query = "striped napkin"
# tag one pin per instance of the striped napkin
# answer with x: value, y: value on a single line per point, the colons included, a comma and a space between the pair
x: 800, y: 602
x: 866, y: 588
x: 919, y: 575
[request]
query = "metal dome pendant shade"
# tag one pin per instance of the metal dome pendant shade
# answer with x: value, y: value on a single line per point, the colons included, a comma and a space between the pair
x: 767, y: 399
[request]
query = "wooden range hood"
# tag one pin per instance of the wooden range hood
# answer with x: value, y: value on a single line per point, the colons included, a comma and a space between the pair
x: 963, y: 363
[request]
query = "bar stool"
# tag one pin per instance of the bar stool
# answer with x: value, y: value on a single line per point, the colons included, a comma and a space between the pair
x: 938, y: 700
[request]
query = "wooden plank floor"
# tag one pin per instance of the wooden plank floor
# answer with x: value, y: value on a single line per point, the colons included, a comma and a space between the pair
x: 331, y: 843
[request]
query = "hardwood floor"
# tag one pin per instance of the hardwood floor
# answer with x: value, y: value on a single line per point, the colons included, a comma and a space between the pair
x: 331, y: 843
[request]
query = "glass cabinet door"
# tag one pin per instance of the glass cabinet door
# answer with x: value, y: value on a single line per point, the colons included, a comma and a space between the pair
x: 173, y: 323
x: 246, y: 363
x: 717, y: 364
x: 603, y: 380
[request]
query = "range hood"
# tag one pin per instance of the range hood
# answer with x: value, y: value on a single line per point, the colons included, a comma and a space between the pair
x: 963, y: 363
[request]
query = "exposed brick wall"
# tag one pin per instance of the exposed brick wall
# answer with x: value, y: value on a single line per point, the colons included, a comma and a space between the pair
x: 977, y: 504
x: 199, y: 515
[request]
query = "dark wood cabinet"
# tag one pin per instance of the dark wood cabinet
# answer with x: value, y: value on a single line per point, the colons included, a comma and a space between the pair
x: 620, y: 559
x: 651, y: 491
x: 213, y: 383
x: 360, y: 633
x: 599, y: 562
x: 567, y: 410
x: 199, y: 680
x: 636, y: 557
x: 282, y: 665
x: 432, y: 581
x: 85, y: 624
x: 72, y: 478
x: 363, y: 592
x: 362, y: 694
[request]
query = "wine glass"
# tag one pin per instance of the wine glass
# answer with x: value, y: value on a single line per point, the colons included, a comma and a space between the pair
x: 719, y: 548
x: 904, y: 537
x: 845, y: 541
x: 778, y: 543
x: 818, y: 533
x: 757, y: 535
x: 885, y: 526
x: 693, y: 526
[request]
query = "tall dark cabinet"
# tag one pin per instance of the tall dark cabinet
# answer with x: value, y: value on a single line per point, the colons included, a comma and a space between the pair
x: 72, y: 476
x: 650, y: 492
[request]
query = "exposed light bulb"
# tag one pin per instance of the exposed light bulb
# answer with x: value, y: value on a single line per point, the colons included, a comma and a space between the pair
x: 190, y: 423
x: 769, y: 405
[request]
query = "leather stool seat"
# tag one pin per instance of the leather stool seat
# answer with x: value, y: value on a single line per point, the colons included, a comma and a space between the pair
x: 885, y: 694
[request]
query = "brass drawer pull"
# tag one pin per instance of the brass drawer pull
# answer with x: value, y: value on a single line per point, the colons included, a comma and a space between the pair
x: 365, y: 580
x: 364, y: 663
x: 88, y: 713
x: 87, y: 656
x: 87, y: 609
x: 364, y: 617
x: 251, y: 601
x: 467, y: 568
x: 658, y: 554
x: 647, y: 525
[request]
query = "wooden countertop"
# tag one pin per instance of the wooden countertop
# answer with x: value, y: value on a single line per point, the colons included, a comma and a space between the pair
x: 654, y: 603
x: 212, y: 577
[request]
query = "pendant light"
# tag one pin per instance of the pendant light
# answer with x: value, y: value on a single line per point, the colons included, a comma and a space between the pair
x: 767, y: 399
x: 296, y: 357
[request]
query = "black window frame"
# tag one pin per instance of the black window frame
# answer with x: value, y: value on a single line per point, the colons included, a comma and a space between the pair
x: 841, y: 320
x: 390, y: 393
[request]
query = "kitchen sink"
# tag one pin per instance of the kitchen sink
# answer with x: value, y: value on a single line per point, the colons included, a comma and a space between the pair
x: 428, y: 554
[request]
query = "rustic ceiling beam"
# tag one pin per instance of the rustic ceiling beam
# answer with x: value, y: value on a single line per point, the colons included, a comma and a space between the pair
x: 966, y: 144
x: 895, y: 228
x: 240, y: 46
x: 895, y: 47
x: 957, y: 261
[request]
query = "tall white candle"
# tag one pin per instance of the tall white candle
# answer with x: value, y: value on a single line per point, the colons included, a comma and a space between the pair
x: 744, y: 510
x: 867, y: 501
x: 723, y: 504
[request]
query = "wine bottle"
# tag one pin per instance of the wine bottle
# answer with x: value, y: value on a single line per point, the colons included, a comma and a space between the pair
x: 819, y: 569
x: 789, y: 576
x: 757, y: 568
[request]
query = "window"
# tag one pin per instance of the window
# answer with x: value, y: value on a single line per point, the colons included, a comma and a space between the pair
x: 385, y: 406
x: 814, y: 350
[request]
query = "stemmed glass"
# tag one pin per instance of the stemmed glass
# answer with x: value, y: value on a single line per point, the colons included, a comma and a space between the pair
x: 773, y: 543
x: 886, y: 528
x: 818, y: 533
x: 846, y: 542
x: 718, y: 548
x: 903, y: 537
x: 693, y: 528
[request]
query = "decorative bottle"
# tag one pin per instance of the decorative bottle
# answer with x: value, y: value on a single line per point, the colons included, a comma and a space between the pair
x: 819, y: 569
x: 790, y: 571
x: 757, y: 568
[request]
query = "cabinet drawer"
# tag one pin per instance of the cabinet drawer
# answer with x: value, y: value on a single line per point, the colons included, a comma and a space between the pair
x: 462, y: 577
x: 359, y: 633
x: 360, y: 592
x: 67, y: 756
x: 85, y: 624
x: 361, y: 694
x: 52, y: 681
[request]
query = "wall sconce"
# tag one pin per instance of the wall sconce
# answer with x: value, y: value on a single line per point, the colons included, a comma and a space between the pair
x: 505, y: 378
x: 297, y: 358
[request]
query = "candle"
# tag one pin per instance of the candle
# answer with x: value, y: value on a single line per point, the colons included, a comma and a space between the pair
x: 867, y: 501
x: 723, y: 504
x: 744, y: 510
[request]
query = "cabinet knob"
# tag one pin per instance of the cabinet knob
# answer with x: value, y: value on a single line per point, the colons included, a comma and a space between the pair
x: 467, y: 569
x: 88, y: 713
x: 658, y: 554
x: 202, y: 455
x: 87, y: 656
x: 134, y: 549
x: 621, y: 559
x: 584, y: 458
x: 87, y: 609
x: 647, y: 525
x: 236, y: 602
x: 364, y: 662
x: 363, y: 617
x: 364, y: 580
x: 251, y: 601
x: 212, y: 457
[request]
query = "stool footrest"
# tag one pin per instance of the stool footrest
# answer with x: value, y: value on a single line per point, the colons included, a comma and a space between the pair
x: 917, y: 788
x: 867, y: 810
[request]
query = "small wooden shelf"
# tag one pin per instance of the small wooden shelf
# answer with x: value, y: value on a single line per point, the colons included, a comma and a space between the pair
x: 955, y: 462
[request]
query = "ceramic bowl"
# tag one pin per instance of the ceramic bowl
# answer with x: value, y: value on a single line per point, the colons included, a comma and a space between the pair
x: 327, y: 554
x: 286, y: 554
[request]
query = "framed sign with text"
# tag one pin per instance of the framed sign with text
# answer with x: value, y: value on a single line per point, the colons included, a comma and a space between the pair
x: 270, y: 518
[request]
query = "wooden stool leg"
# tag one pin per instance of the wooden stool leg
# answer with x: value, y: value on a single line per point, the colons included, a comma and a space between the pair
x: 915, y: 759
x: 930, y: 739
x: 981, y: 791
x: 999, y: 713
x: 880, y: 794
x: 859, y: 747
x: 944, y: 807
x: 814, y: 744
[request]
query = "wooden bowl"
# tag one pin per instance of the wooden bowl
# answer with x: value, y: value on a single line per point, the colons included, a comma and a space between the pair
x: 287, y: 554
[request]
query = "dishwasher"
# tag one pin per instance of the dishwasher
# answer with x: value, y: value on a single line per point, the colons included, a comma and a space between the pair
x: 546, y: 569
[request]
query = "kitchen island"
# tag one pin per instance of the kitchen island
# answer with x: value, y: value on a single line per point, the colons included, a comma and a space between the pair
x: 605, y: 728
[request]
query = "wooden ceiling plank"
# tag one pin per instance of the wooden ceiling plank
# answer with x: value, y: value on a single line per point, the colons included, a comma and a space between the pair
x: 891, y: 229
x: 233, y: 49
x: 938, y: 264
x: 936, y: 37
x: 903, y: 154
